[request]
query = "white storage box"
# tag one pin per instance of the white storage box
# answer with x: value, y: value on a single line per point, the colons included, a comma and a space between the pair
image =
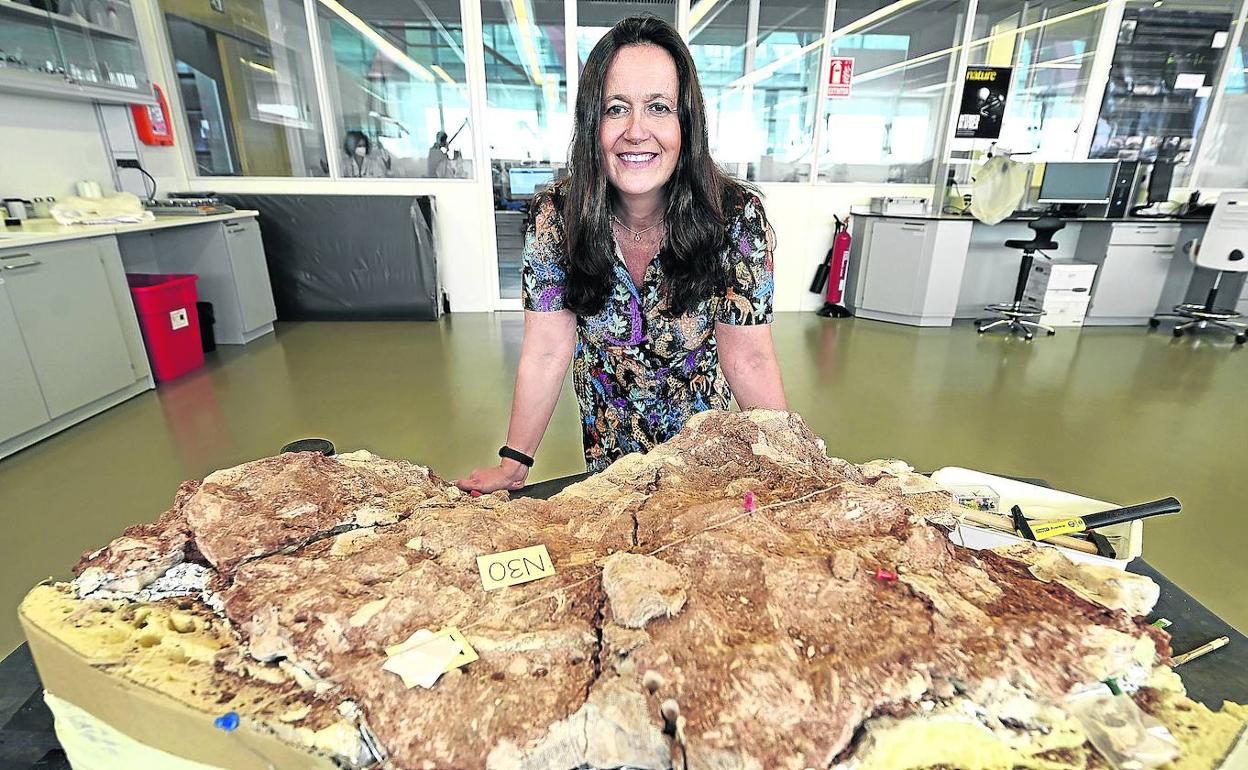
x: 1049, y: 276
x: 1042, y: 503
x: 904, y: 205
x: 1062, y: 308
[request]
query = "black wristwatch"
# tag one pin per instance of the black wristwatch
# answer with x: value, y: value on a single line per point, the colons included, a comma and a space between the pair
x: 513, y: 454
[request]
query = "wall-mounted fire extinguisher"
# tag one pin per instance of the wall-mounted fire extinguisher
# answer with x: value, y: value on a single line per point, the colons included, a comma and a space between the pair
x: 151, y: 121
x: 832, y: 273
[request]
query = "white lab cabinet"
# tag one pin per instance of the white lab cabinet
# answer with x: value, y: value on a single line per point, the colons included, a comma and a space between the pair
x: 70, y: 344
x: 61, y: 296
x: 251, y: 276
x: 21, y: 403
x: 229, y: 259
x: 1133, y: 261
x: 909, y: 270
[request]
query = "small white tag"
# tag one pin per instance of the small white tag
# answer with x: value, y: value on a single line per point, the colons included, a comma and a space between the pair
x: 178, y: 319
x: 1219, y: 39
x: 425, y: 656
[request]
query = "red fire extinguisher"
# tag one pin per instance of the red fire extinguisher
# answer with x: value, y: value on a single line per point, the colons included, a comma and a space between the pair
x: 832, y: 273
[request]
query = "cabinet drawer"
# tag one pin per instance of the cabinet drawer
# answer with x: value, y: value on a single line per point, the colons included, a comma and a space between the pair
x: 1144, y: 233
x: 69, y: 320
x: 894, y: 276
x: 509, y: 222
x: 1129, y: 283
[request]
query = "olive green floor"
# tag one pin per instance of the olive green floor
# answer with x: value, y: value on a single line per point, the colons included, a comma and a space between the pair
x: 1118, y: 414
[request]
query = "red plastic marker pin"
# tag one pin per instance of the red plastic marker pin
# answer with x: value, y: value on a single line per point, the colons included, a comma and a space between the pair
x: 749, y: 501
x: 475, y: 493
x: 884, y: 576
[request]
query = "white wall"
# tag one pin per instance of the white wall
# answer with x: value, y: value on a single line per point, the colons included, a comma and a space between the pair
x: 47, y: 144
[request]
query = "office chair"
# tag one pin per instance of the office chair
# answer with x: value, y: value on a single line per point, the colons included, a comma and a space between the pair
x: 1222, y: 249
x: 1019, y: 316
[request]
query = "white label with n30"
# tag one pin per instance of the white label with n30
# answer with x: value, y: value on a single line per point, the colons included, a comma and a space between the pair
x: 509, y: 568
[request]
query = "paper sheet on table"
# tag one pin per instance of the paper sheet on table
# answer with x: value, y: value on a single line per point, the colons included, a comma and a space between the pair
x: 121, y: 208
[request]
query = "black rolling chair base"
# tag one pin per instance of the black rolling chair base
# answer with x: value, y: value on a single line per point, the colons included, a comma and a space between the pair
x: 1019, y: 317
x: 1197, y: 318
x: 1014, y: 325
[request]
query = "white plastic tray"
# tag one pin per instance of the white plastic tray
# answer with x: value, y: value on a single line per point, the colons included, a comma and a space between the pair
x: 1041, y: 503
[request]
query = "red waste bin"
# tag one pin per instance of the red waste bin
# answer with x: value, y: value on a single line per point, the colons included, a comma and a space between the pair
x: 170, y: 323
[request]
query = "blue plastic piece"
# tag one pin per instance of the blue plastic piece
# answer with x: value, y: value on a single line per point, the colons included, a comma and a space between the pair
x: 227, y: 722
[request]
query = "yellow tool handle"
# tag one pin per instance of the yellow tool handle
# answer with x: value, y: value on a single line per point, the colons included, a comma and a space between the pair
x: 1043, y: 530
x: 1002, y: 523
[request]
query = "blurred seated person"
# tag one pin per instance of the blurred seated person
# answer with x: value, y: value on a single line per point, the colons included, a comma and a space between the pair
x: 362, y: 160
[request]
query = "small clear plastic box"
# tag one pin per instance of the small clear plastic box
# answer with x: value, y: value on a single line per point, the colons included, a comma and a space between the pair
x: 977, y: 497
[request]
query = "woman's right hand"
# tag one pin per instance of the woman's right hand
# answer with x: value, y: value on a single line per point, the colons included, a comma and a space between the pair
x: 508, y: 474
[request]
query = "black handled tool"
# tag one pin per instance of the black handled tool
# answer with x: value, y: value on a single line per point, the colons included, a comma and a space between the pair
x: 1047, y: 528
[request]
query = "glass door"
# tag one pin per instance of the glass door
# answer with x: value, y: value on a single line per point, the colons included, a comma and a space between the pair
x: 527, y: 125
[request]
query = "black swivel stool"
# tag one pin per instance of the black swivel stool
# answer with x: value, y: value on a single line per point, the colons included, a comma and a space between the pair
x: 1019, y: 316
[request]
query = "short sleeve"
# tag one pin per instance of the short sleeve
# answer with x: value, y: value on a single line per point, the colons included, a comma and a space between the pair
x: 543, y: 277
x: 751, y: 278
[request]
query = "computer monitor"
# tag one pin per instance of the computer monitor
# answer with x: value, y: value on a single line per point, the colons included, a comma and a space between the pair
x: 1088, y: 181
x: 523, y: 181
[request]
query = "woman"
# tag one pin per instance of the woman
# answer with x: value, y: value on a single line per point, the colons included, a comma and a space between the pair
x: 361, y: 161
x: 648, y: 263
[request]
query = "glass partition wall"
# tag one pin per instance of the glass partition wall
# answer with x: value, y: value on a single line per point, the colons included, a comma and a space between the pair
x: 759, y: 63
x: 399, y: 88
x: 245, y: 75
x: 1051, y: 46
x: 1167, y: 62
x: 1223, y: 150
x: 890, y: 126
x: 380, y: 88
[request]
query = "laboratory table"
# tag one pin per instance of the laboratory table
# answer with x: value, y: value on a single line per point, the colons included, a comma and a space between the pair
x: 27, y: 739
x: 930, y: 269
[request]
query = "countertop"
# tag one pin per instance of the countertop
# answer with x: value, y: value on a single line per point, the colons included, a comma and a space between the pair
x: 38, y: 231
x: 862, y: 211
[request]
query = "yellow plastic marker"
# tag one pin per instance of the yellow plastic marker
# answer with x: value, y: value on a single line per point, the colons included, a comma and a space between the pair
x: 509, y: 568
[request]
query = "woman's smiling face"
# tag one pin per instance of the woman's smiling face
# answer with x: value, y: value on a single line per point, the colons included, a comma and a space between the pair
x: 640, y: 128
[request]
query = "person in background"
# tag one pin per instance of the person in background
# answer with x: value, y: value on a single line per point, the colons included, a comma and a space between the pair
x: 438, y: 157
x: 362, y: 160
x: 648, y: 268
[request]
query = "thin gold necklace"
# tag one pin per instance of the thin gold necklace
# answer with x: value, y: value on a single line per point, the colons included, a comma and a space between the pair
x: 636, y: 233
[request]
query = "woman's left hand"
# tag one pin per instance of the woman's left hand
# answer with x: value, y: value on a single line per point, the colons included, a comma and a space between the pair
x: 508, y: 474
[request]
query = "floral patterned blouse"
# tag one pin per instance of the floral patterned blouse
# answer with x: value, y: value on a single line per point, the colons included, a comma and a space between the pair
x: 640, y: 374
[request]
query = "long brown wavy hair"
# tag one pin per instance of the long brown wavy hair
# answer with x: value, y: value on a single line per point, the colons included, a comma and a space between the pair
x: 697, y: 193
